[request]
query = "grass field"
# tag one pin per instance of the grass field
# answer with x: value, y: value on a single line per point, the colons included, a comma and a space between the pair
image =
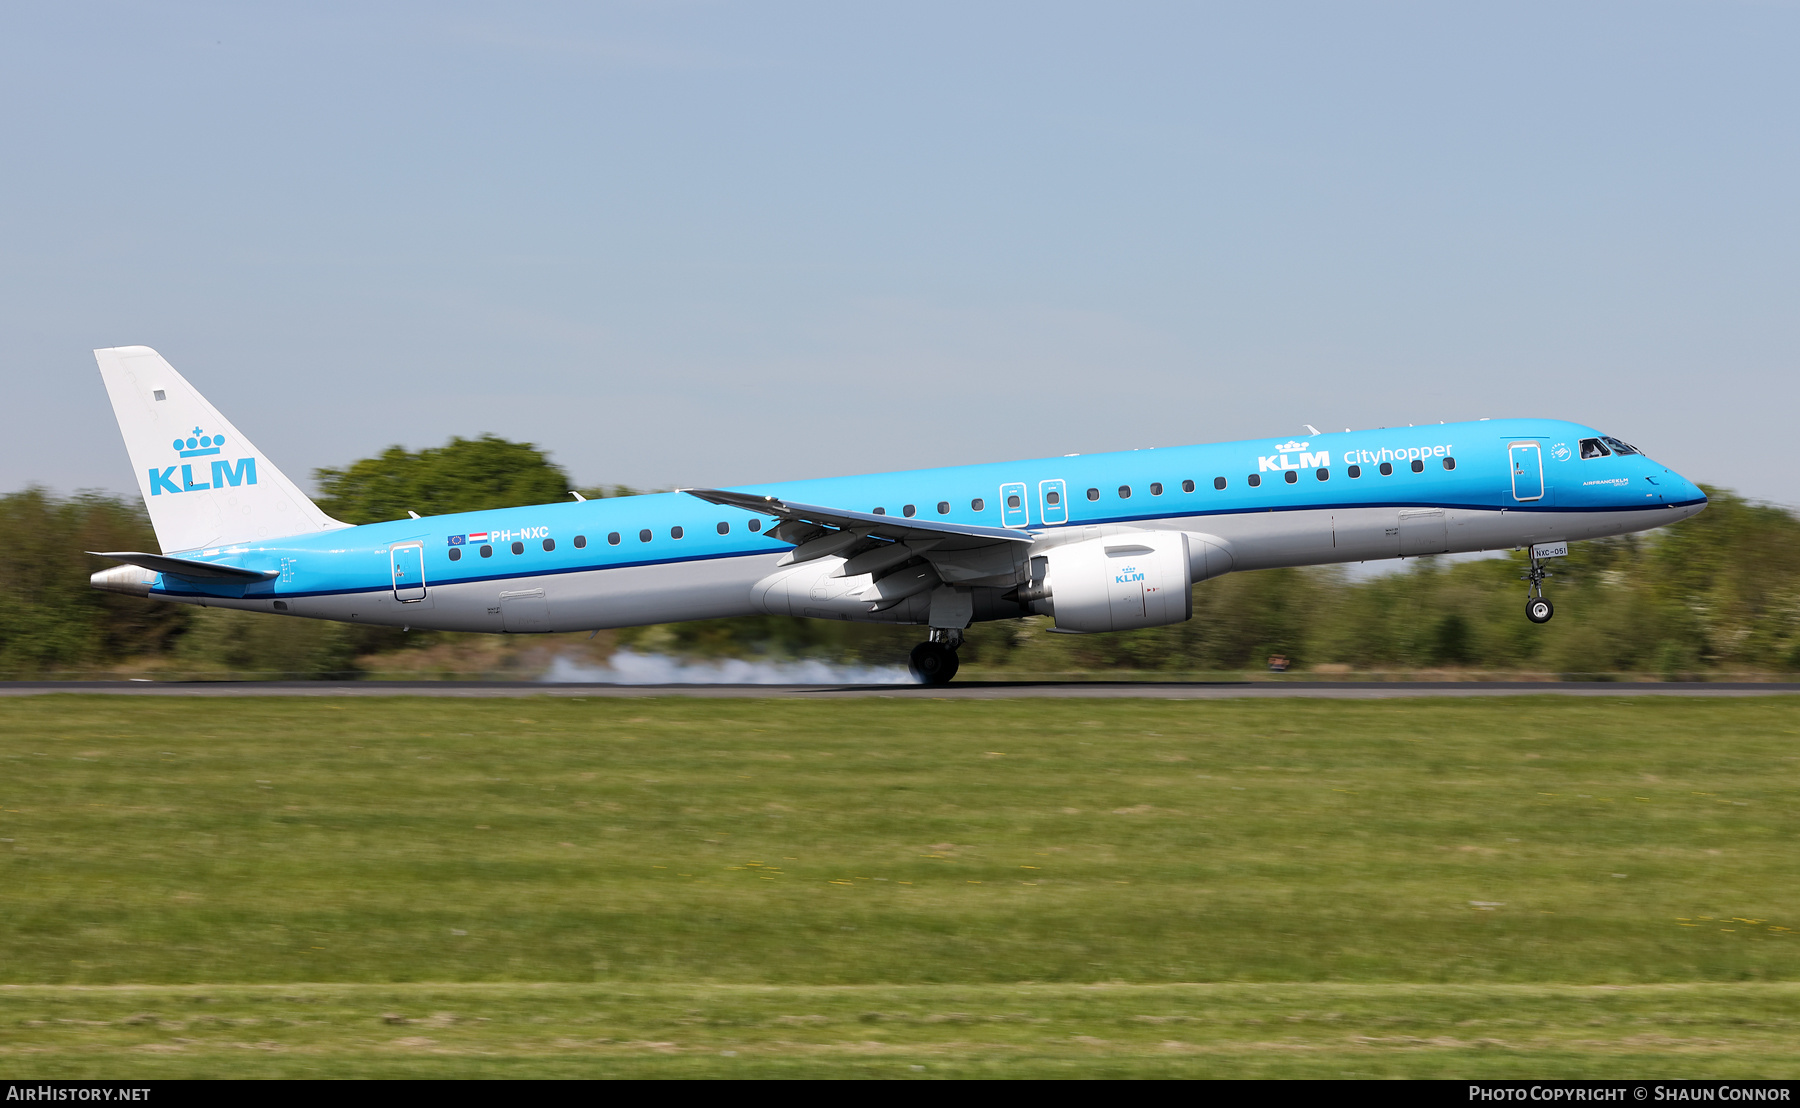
x: 418, y: 886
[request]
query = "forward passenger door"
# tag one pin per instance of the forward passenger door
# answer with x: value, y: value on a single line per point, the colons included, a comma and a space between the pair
x: 1527, y: 466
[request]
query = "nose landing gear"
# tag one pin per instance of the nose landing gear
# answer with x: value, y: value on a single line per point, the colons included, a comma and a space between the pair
x: 1537, y: 608
x: 934, y: 661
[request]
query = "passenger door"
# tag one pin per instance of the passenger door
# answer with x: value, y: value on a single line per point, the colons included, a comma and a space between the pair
x: 1053, y: 502
x: 407, y: 561
x: 1014, y: 512
x: 1527, y: 464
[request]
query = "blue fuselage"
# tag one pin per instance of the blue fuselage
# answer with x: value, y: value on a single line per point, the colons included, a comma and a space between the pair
x: 1527, y: 470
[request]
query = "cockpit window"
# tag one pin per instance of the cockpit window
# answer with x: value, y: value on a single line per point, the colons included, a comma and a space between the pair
x: 1593, y: 448
x: 1619, y: 447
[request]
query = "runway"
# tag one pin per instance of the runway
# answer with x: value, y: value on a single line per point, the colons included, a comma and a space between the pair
x: 970, y: 690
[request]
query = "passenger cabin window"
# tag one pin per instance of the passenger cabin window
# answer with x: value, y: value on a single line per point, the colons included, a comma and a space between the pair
x: 756, y: 525
x: 977, y: 505
x: 1619, y: 447
x: 1219, y: 482
x: 1156, y: 488
x: 943, y: 507
x: 612, y: 538
x: 674, y: 532
x: 581, y: 542
x: 1291, y: 476
x: 1449, y: 463
x: 1255, y: 480
x: 518, y: 548
x: 1012, y: 501
x: 1593, y: 448
x: 909, y: 511
x: 1418, y: 465
x: 1322, y: 473
x: 549, y: 544
x: 1052, y: 497
x: 644, y: 535
x: 1387, y: 469
x: 880, y: 511
x: 1187, y: 486
x: 1093, y: 494
x: 1354, y: 472
x: 724, y: 528
x: 456, y: 553
x: 487, y: 551
x: 1124, y: 492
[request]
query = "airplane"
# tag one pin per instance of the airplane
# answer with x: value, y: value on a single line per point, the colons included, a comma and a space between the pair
x: 1097, y: 542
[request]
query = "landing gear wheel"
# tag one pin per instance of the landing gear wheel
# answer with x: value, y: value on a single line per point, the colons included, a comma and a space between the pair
x: 1537, y: 609
x: 933, y: 663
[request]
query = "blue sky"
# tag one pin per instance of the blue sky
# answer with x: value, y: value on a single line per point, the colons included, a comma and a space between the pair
x: 701, y: 243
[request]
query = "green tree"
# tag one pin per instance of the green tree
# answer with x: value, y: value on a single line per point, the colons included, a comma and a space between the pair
x: 50, y: 617
x: 224, y: 643
x: 1732, y: 575
x: 464, y: 475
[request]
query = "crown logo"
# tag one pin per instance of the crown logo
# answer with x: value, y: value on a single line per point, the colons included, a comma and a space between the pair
x: 1290, y: 447
x: 198, y: 444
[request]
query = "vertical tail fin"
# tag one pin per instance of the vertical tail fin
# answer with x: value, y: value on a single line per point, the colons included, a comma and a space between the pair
x: 204, y: 483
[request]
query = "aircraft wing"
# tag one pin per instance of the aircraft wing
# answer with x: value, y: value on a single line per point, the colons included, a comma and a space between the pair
x: 957, y: 553
x: 946, y: 535
x: 190, y: 568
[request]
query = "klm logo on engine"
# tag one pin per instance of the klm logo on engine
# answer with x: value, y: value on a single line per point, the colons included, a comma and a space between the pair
x: 1281, y: 458
x: 1130, y: 575
x: 200, y: 445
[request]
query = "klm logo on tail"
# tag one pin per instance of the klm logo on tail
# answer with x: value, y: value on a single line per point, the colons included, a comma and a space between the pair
x: 199, y: 445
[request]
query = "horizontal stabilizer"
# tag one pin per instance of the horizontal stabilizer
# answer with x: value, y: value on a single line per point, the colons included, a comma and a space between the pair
x: 189, y: 568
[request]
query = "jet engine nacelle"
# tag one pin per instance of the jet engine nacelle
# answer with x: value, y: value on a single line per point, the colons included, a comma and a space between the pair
x: 1116, y: 583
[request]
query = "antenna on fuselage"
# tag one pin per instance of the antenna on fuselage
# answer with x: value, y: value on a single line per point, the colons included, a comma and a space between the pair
x: 1310, y: 429
x: 578, y: 496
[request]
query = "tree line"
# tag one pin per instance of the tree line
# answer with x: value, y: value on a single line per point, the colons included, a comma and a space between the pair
x: 1717, y: 593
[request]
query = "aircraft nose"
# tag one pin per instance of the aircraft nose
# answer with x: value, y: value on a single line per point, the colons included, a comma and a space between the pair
x: 1687, y: 494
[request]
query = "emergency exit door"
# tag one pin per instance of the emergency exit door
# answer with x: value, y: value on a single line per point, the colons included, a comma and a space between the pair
x: 1053, y: 502
x: 1014, y: 512
x: 1527, y: 460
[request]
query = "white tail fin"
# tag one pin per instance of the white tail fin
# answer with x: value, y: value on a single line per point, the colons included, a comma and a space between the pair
x: 204, y: 483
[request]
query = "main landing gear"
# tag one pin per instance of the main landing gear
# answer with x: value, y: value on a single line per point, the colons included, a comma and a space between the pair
x: 1537, y: 608
x: 934, y: 661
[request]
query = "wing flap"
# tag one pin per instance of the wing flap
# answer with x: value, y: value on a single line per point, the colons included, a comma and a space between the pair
x: 888, y: 527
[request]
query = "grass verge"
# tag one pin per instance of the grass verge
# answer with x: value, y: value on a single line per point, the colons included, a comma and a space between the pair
x: 578, y: 871
x: 1293, y: 1031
